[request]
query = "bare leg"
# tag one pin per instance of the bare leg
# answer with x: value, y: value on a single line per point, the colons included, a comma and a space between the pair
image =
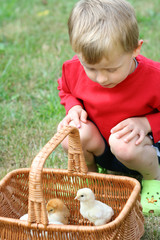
x: 92, y: 143
x: 141, y: 158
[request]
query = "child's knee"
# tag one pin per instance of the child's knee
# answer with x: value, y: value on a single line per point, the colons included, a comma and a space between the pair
x: 88, y: 131
x: 91, y: 139
x: 123, y: 151
x: 64, y: 144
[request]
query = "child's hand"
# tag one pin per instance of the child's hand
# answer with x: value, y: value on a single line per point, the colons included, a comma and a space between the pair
x: 76, y: 114
x: 132, y: 127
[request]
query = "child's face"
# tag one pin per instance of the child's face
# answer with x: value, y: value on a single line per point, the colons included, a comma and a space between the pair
x: 109, y: 73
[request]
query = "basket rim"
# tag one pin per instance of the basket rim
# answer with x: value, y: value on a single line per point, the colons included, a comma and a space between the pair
x: 73, y: 228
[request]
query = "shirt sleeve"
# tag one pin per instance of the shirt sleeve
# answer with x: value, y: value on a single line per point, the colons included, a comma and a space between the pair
x: 67, y: 99
x: 154, y: 121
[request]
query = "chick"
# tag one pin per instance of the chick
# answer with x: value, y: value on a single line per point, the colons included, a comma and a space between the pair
x: 95, y: 211
x: 58, y: 213
x: 24, y: 217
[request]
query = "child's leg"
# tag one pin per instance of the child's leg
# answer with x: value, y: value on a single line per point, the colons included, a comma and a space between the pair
x: 92, y: 143
x: 142, y: 158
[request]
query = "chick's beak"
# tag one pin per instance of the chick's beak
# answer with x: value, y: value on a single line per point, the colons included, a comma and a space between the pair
x: 76, y: 198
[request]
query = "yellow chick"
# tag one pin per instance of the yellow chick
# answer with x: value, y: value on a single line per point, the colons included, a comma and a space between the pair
x: 58, y: 213
x: 95, y: 211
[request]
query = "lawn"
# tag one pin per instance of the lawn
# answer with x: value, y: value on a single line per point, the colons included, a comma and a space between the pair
x: 33, y: 46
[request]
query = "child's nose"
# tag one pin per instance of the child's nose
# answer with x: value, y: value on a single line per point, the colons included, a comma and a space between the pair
x: 101, y: 77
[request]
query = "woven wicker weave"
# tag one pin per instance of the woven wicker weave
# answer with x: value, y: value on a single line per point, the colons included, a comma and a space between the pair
x: 28, y: 190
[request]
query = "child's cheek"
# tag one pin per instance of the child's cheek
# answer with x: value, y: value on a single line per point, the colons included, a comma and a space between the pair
x: 91, y: 75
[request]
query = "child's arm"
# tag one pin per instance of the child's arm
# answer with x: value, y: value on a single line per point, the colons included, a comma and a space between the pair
x: 66, y: 86
x: 137, y: 126
x: 68, y: 83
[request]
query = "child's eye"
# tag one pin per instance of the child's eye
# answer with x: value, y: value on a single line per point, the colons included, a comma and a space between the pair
x: 91, y: 69
x: 112, y: 70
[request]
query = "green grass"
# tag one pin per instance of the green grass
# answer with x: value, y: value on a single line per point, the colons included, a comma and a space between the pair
x: 33, y: 47
x: 32, y: 50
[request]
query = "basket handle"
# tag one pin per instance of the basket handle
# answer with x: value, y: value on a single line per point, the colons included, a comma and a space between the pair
x: 76, y: 163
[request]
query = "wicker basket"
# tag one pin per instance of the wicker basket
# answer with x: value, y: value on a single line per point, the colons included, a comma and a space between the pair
x: 28, y: 190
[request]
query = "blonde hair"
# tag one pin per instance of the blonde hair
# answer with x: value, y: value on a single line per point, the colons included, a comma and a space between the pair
x: 96, y: 27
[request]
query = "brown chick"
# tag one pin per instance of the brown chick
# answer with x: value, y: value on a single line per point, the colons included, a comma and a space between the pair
x: 58, y: 212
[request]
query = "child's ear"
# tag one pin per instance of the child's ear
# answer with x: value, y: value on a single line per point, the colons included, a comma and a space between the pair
x: 136, y: 52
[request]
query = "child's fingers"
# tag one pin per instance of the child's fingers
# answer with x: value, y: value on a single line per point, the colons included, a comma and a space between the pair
x: 130, y: 136
x: 84, y: 116
x: 122, y: 132
x: 64, y: 122
x: 138, y: 136
x: 141, y: 138
x: 60, y: 125
x: 118, y: 127
x: 75, y: 118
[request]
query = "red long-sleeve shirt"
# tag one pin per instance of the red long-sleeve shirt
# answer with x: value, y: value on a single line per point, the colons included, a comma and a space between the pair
x: 137, y: 95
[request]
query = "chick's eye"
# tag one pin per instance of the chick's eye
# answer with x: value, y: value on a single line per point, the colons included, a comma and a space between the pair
x: 82, y: 195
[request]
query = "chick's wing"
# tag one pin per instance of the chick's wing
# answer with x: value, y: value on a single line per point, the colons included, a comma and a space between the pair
x: 97, y: 211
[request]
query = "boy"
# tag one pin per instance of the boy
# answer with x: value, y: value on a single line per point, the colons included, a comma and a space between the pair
x: 110, y: 92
